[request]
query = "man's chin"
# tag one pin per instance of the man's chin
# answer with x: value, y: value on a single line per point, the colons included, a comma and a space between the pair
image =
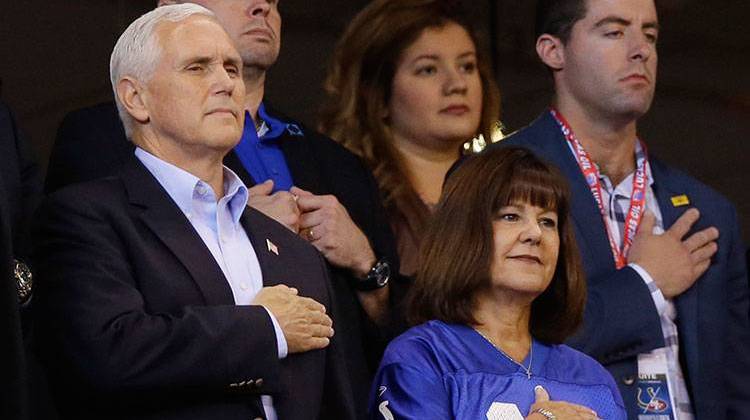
x: 258, y: 55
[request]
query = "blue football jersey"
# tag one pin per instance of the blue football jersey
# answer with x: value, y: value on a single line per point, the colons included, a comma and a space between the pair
x: 448, y: 371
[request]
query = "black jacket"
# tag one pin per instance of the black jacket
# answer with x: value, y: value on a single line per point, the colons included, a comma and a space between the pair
x: 138, y: 321
x: 91, y: 144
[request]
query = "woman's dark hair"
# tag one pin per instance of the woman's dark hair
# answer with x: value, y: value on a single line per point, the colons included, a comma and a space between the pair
x: 457, y: 248
x: 359, y: 89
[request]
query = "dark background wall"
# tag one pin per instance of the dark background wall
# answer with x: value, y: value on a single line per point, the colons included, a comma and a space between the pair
x: 54, y: 58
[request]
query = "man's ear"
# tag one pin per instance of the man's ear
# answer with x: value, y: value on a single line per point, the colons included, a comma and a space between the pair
x: 551, y: 51
x: 131, y: 95
x: 166, y: 2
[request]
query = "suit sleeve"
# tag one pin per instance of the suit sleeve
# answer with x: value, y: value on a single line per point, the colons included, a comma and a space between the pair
x: 91, y: 311
x: 22, y: 182
x: 338, y: 397
x: 378, y: 230
x: 622, y: 299
x: 355, y: 187
x: 737, y: 358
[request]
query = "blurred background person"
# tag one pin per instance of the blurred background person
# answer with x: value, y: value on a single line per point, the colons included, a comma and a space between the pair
x: 24, y: 392
x: 407, y: 87
x: 500, y: 287
x: 15, y: 186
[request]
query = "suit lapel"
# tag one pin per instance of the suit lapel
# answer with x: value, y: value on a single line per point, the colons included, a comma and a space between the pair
x: 169, y: 224
x: 266, y: 248
x: 585, y: 213
x: 686, y: 303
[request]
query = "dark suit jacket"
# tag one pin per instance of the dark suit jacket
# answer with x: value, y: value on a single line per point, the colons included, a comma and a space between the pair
x: 621, y: 320
x: 20, y: 189
x: 138, y: 321
x: 91, y: 144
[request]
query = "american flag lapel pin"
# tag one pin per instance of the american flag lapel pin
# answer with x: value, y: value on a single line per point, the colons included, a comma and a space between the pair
x: 272, y: 247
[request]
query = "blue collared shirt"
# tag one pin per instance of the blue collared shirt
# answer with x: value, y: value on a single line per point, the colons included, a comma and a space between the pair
x: 260, y: 152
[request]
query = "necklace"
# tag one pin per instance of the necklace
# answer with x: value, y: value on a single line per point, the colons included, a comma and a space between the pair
x: 527, y: 369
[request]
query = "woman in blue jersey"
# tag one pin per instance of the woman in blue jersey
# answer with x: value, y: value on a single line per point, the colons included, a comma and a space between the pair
x: 499, y: 288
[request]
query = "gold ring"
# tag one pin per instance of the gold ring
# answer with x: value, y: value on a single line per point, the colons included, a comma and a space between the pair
x: 310, y: 235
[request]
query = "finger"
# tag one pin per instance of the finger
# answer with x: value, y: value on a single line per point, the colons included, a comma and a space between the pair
x: 322, y: 331
x: 311, y: 219
x: 264, y: 188
x: 577, y: 407
x: 300, y: 192
x: 647, y: 223
x: 587, y: 414
x: 540, y: 394
x: 315, y: 343
x: 701, y: 238
x: 287, y: 198
x: 320, y: 319
x: 704, y: 253
x: 682, y: 226
x: 701, y: 268
x: 590, y: 414
x: 311, y: 203
x: 311, y: 304
x: 281, y: 288
x: 311, y: 234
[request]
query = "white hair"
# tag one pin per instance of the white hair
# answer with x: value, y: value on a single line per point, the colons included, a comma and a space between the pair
x: 137, y: 51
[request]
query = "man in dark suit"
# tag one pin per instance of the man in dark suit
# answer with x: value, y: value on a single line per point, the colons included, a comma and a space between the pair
x: 667, y: 311
x: 342, y: 217
x: 161, y: 295
x: 24, y: 391
x: 20, y: 188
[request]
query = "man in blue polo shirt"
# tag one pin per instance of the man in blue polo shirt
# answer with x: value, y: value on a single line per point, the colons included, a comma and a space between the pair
x: 299, y: 177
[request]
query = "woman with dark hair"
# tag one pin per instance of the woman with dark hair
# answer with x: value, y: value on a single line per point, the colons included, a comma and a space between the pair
x: 500, y: 287
x: 407, y: 87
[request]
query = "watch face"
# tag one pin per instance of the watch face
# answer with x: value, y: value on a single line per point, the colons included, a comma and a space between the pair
x: 382, y: 272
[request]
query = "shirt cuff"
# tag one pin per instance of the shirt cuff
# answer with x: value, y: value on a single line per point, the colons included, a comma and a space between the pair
x: 656, y: 295
x: 280, y: 339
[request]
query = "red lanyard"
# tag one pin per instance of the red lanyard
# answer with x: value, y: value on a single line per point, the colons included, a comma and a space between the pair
x: 591, y: 174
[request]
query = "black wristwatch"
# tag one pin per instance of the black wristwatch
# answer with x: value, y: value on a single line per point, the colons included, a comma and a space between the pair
x: 377, y: 277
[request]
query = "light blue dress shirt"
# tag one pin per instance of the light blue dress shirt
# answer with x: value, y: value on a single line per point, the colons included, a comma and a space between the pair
x: 218, y: 224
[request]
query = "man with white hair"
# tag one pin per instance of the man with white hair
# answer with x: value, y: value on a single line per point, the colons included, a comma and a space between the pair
x: 299, y: 177
x: 163, y: 294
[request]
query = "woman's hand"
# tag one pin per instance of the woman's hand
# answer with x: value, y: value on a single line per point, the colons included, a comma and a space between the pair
x: 558, y: 410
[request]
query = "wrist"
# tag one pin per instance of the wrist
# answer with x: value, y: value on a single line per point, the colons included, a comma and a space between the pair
x: 362, y: 268
x: 377, y: 277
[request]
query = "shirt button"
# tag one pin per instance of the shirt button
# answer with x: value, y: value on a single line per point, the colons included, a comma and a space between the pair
x: 628, y: 380
x: 243, y: 286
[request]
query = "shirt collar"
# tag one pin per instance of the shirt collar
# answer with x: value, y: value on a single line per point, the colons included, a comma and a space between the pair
x: 181, y: 185
x: 640, y: 156
x: 274, y: 128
